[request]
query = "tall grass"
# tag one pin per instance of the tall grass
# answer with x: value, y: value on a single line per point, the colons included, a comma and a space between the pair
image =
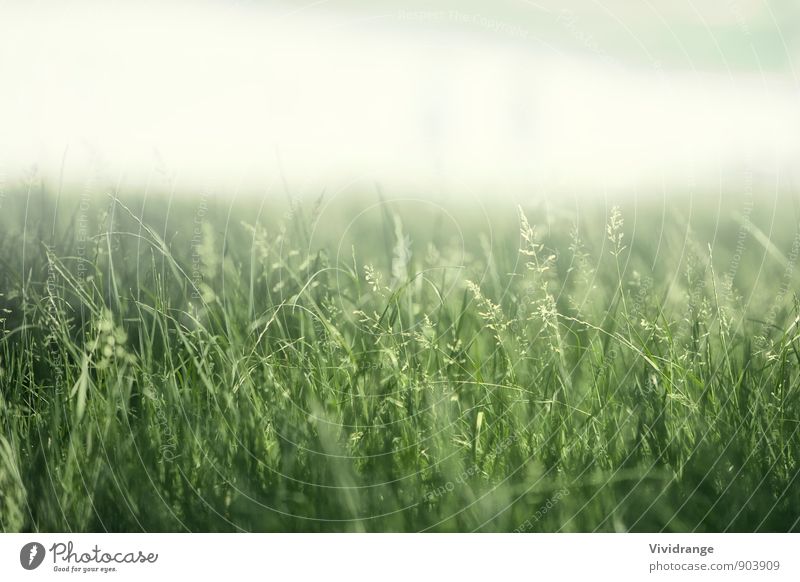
x: 183, y: 367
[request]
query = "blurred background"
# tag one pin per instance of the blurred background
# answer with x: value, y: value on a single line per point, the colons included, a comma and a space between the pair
x: 438, y: 98
x: 282, y: 239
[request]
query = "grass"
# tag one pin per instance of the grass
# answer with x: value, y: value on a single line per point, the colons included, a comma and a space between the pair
x: 199, y: 365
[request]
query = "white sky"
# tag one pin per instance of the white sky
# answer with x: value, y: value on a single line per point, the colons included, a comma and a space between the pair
x: 218, y: 96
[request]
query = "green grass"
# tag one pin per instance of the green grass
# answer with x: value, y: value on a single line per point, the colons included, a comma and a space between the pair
x: 396, y: 366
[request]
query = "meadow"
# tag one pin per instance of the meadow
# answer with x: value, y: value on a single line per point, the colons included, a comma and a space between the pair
x: 198, y: 363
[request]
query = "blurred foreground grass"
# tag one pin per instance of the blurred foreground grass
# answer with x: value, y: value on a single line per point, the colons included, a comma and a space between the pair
x: 200, y: 365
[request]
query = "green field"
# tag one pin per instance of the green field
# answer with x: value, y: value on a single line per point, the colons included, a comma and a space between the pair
x: 375, y: 364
